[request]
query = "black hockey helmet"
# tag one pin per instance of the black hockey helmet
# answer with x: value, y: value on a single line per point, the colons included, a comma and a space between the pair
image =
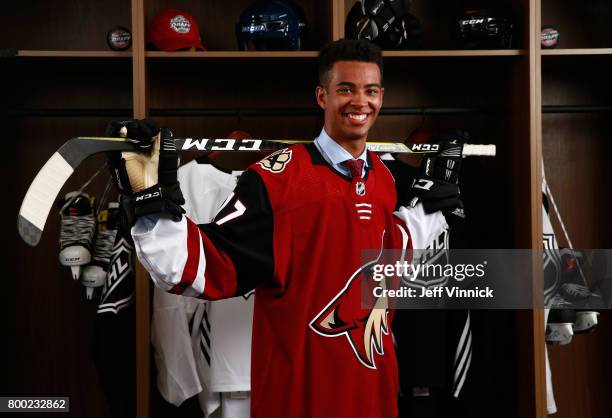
x: 271, y: 25
x: 384, y: 22
x: 482, y: 29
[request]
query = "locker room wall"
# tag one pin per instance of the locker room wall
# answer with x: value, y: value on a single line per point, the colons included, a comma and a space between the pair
x: 580, y: 27
x: 575, y: 150
x: 50, y: 321
x: 61, y: 25
x: 575, y: 147
x: 179, y: 84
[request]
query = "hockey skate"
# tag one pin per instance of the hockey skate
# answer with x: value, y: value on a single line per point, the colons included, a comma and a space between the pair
x: 94, y: 275
x: 559, y: 329
x: 575, y: 289
x: 573, y: 285
x: 586, y: 321
x: 77, y: 231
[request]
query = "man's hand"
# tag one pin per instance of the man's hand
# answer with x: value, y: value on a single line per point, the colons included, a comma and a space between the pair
x: 148, y: 180
x: 134, y: 171
x: 438, y: 185
x: 141, y: 132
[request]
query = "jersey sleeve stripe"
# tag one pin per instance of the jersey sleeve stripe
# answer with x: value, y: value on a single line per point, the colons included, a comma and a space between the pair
x: 193, y: 259
x: 197, y: 287
x: 219, y: 274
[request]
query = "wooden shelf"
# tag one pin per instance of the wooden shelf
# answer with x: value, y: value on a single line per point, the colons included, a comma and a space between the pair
x: 456, y: 53
x: 304, y: 54
x: 66, y: 54
x: 578, y: 51
x: 297, y: 54
x: 232, y: 54
x: 313, y: 54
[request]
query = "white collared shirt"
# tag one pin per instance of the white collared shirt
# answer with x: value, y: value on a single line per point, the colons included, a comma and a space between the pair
x: 335, y: 155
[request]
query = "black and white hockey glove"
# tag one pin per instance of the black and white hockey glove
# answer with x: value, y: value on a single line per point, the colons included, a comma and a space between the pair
x: 148, y: 181
x: 437, y: 187
x: 141, y: 132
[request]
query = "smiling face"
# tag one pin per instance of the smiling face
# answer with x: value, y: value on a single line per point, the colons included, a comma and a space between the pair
x: 351, y: 100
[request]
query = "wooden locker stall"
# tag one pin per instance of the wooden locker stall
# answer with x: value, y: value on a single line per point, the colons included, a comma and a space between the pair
x: 576, y: 93
x: 63, y: 83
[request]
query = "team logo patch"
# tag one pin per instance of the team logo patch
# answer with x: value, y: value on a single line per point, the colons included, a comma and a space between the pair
x: 180, y: 24
x: 360, y: 188
x: 344, y: 316
x: 277, y: 161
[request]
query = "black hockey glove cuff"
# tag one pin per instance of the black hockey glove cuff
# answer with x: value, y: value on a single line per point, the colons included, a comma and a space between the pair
x: 163, y: 199
x: 139, y: 131
x: 445, y: 165
x: 436, y: 195
x: 438, y: 185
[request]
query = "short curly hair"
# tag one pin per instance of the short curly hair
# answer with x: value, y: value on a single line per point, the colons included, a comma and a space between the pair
x: 347, y: 50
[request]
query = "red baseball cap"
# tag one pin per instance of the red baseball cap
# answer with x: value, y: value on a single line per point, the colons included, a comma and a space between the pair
x: 237, y: 134
x: 174, y: 29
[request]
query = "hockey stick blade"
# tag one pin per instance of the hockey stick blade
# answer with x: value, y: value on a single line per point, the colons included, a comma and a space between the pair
x: 50, y: 179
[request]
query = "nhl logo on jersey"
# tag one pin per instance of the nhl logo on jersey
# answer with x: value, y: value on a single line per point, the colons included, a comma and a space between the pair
x: 360, y: 188
x: 277, y: 161
x: 118, y: 290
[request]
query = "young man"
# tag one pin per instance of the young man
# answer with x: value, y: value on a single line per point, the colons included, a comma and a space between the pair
x: 295, y: 228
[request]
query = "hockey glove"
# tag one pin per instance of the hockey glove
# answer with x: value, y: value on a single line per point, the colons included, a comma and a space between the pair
x: 141, y: 132
x: 437, y: 187
x: 148, y: 182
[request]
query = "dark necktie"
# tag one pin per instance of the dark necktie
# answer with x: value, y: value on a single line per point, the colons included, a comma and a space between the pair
x: 354, y: 166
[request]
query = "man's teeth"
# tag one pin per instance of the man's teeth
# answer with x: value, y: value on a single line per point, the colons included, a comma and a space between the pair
x: 356, y: 116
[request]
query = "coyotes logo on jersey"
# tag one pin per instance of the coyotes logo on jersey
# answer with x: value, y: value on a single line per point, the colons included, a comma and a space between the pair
x: 344, y: 315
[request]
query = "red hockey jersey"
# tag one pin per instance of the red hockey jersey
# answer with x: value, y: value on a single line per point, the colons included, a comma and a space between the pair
x: 296, y: 229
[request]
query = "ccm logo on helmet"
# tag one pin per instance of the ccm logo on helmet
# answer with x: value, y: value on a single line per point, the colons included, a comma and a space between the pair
x: 148, y: 196
x: 472, y: 21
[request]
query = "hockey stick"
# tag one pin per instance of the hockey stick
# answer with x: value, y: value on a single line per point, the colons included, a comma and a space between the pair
x: 50, y: 179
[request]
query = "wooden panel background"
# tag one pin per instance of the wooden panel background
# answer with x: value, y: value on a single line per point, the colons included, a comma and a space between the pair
x: 576, y: 149
x: 61, y: 25
x: 50, y: 348
x: 59, y: 320
x: 581, y: 25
